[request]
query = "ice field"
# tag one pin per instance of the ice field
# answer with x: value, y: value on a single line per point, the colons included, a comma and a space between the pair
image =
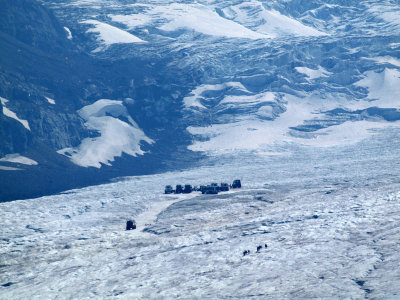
x: 298, y: 99
x: 330, y: 218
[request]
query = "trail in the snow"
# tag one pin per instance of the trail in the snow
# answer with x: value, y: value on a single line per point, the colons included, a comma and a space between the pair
x: 149, y: 217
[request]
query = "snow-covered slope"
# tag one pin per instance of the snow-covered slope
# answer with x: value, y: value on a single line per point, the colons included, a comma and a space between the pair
x: 7, y: 112
x: 19, y: 159
x: 109, y: 35
x: 233, y: 22
x: 329, y: 219
x: 270, y: 22
x: 116, y: 136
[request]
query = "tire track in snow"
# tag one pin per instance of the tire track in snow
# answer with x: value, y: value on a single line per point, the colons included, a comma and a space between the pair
x: 150, y: 215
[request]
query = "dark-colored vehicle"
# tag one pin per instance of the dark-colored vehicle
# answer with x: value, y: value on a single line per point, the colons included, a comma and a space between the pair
x: 214, y: 184
x: 188, y: 189
x: 130, y: 225
x: 202, y: 188
x: 179, y: 189
x: 169, y: 189
x: 224, y: 187
x: 211, y: 190
x: 236, y: 184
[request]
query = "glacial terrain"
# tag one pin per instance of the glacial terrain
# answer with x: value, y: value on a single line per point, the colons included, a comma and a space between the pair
x: 93, y: 90
x: 330, y: 219
x: 104, y: 102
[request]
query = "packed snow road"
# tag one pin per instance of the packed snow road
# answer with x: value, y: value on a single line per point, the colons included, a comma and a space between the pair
x: 330, y: 218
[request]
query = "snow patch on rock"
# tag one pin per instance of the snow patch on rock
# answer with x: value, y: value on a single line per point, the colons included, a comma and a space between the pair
x: 117, y: 136
x: 7, y: 112
x: 51, y: 101
x: 69, y: 34
x: 312, y: 73
x: 18, y: 159
x: 196, y: 96
x: 109, y: 35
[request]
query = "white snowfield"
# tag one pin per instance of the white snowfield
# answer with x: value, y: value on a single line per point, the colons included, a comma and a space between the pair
x: 252, y: 14
x: 383, y: 88
x: 19, y: 159
x: 50, y: 100
x: 108, y: 35
x: 5, y: 168
x: 388, y: 12
x: 328, y: 216
x: 116, y: 136
x: 237, y: 21
x: 7, y: 112
x: 313, y: 73
x: 387, y: 60
x: 69, y: 34
x: 194, y: 17
x: 228, y: 133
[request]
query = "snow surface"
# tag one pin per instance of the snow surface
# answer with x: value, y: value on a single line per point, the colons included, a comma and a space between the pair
x: 387, y: 60
x: 272, y: 23
x: 117, y: 136
x: 19, y: 159
x: 252, y: 134
x: 201, y: 19
x: 132, y: 21
x: 238, y: 21
x: 320, y: 170
x: 69, y: 34
x: 383, y: 88
x: 51, y: 101
x: 329, y: 217
x: 271, y: 117
x: 389, y: 13
x: 12, y: 115
x: 195, y: 99
x: 4, y: 168
x: 197, y: 17
x: 312, y: 73
x: 108, y: 35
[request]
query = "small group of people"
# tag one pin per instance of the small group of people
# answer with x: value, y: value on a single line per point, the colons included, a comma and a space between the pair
x: 246, y: 252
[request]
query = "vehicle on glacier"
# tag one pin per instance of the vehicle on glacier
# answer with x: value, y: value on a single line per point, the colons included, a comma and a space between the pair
x: 130, y: 225
x: 179, y: 189
x: 212, y: 188
x: 187, y: 189
x: 209, y: 189
x: 168, y: 190
x: 214, y: 184
x: 224, y: 187
x: 236, y: 184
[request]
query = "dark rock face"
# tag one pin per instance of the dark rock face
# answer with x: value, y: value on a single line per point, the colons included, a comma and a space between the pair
x: 32, y: 24
x: 33, y: 52
x: 37, y: 60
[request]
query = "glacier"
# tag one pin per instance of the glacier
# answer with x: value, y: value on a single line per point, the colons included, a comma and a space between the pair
x: 298, y: 99
x: 329, y: 218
